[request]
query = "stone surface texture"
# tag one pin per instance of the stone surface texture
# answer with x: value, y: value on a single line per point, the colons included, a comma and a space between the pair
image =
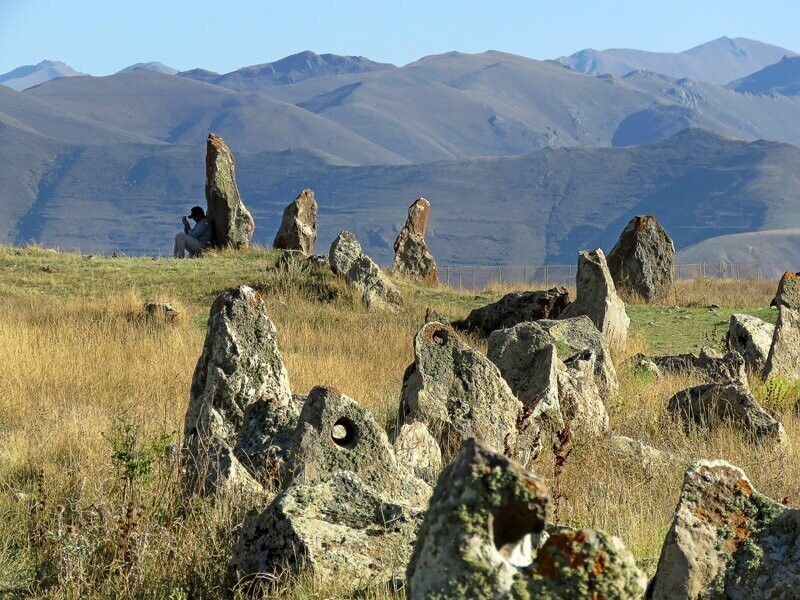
x: 348, y: 260
x: 784, y: 353
x: 710, y: 404
x: 751, y: 337
x: 417, y: 451
x: 241, y: 412
x: 641, y: 263
x: 411, y: 255
x: 709, y: 364
x: 517, y: 307
x: 458, y: 393
x: 727, y: 541
x: 476, y: 540
x: 298, y: 229
x: 597, y: 299
x: 232, y: 222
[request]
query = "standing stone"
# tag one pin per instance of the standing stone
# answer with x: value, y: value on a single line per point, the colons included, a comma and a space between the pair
x: 713, y: 403
x: 728, y: 541
x: 411, y: 256
x: 417, y: 451
x: 642, y: 261
x: 597, y: 299
x: 233, y: 224
x: 784, y: 354
x: 476, y: 540
x: 241, y: 412
x: 517, y: 307
x: 298, y: 230
x: 348, y: 260
x: 458, y: 393
x: 751, y: 337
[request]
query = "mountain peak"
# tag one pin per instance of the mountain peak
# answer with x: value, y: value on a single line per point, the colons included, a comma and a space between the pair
x: 28, y: 76
x: 151, y: 66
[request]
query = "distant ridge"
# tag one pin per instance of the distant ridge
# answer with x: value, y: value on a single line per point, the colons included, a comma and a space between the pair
x: 719, y: 61
x: 28, y: 76
x: 151, y: 66
x: 781, y: 78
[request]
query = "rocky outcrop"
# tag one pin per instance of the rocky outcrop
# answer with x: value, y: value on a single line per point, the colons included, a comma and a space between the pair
x: 597, y: 299
x: 411, y: 256
x: 335, y: 434
x: 476, y: 540
x: 751, y: 337
x: 338, y: 529
x: 708, y: 405
x: 348, y: 260
x: 709, y: 364
x: 298, y: 230
x: 241, y: 413
x: 458, y: 393
x: 418, y: 452
x: 727, y: 541
x: 232, y: 222
x: 641, y: 263
x: 784, y: 353
x: 516, y: 307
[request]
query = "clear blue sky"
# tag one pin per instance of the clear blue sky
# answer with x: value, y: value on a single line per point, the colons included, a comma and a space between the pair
x: 101, y: 37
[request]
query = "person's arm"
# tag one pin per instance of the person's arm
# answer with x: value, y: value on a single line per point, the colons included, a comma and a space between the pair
x: 199, y: 229
x: 185, y: 222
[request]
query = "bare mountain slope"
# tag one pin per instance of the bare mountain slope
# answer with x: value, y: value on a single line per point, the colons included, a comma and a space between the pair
x: 781, y: 78
x: 29, y: 75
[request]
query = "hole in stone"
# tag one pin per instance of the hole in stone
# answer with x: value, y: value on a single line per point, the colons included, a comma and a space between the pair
x: 344, y: 433
x: 511, y: 528
x: 440, y: 336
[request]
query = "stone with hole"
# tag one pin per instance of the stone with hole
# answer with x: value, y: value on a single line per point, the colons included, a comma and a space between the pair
x: 335, y: 434
x: 349, y: 261
x: 411, y: 255
x: 597, y: 299
x: 241, y: 410
x: 517, y: 307
x: 784, y: 353
x: 232, y: 222
x: 751, y: 337
x: 641, y: 262
x: 476, y: 540
x: 708, y: 405
x: 727, y: 540
x: 298, y: 229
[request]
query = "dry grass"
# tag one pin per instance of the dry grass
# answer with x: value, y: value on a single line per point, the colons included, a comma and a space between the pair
x: 80, y: 365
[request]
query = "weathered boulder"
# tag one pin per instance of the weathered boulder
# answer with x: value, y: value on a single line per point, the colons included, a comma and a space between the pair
x: 161, y: 311
x: 597, y: 299
x: 458, y: 393
x: 335, y: 434
x: 751, y: 337
x: 516, y: 307
x: 710, y: 404
x: 241, y: 412
x: 784, y: 353
x: 411, y: 256
x: 727, y: 541
x: 475, y: 541
x: 348, y: 260
x: 232, y: 222
x: 642, y: 261
x: 338, y: 529
x: 709, y: 364
x: 418, y: 452
x: 650, y: 458
x: 298, y: 230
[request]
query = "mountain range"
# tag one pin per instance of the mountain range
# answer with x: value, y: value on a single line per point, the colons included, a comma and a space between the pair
x: 524, y: 161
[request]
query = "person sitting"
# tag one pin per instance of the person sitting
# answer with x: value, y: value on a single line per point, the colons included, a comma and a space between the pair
x: 194, y: 239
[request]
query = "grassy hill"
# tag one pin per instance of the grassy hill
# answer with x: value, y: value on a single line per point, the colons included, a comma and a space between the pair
x: 84, y: 371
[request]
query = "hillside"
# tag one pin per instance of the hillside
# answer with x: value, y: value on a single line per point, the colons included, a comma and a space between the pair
x: 781, y: 78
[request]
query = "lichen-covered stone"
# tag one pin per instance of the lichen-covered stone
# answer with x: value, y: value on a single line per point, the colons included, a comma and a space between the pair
x: 418, y: 452
x: 784, y: 353
x: 348, y: 260
x: 751, y: 337
x: 642, y: 260
x: 708, y: 364
x: 233, y: 225
x: 727, y: 541
x: 339, y: 529
x: 239, y: 375
x: 335, y: 434
x: 433, y: 316
x: 476, y: 540
x: 298, y: 229
x: 597, y: 299
x: 411, y: 256
x: 516, y: 307
x: 458, y: 393
x: 710, y: 404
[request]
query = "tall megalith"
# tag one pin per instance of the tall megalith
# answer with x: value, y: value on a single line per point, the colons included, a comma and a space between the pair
x: 232, y: 222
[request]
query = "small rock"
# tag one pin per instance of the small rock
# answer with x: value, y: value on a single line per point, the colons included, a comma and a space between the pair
x: 784, y: 353
x: 649, y: 458
x: 432, y: 316
x: 161, y: 311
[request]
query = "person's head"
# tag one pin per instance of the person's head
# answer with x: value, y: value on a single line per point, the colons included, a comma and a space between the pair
x: 197, y: 213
